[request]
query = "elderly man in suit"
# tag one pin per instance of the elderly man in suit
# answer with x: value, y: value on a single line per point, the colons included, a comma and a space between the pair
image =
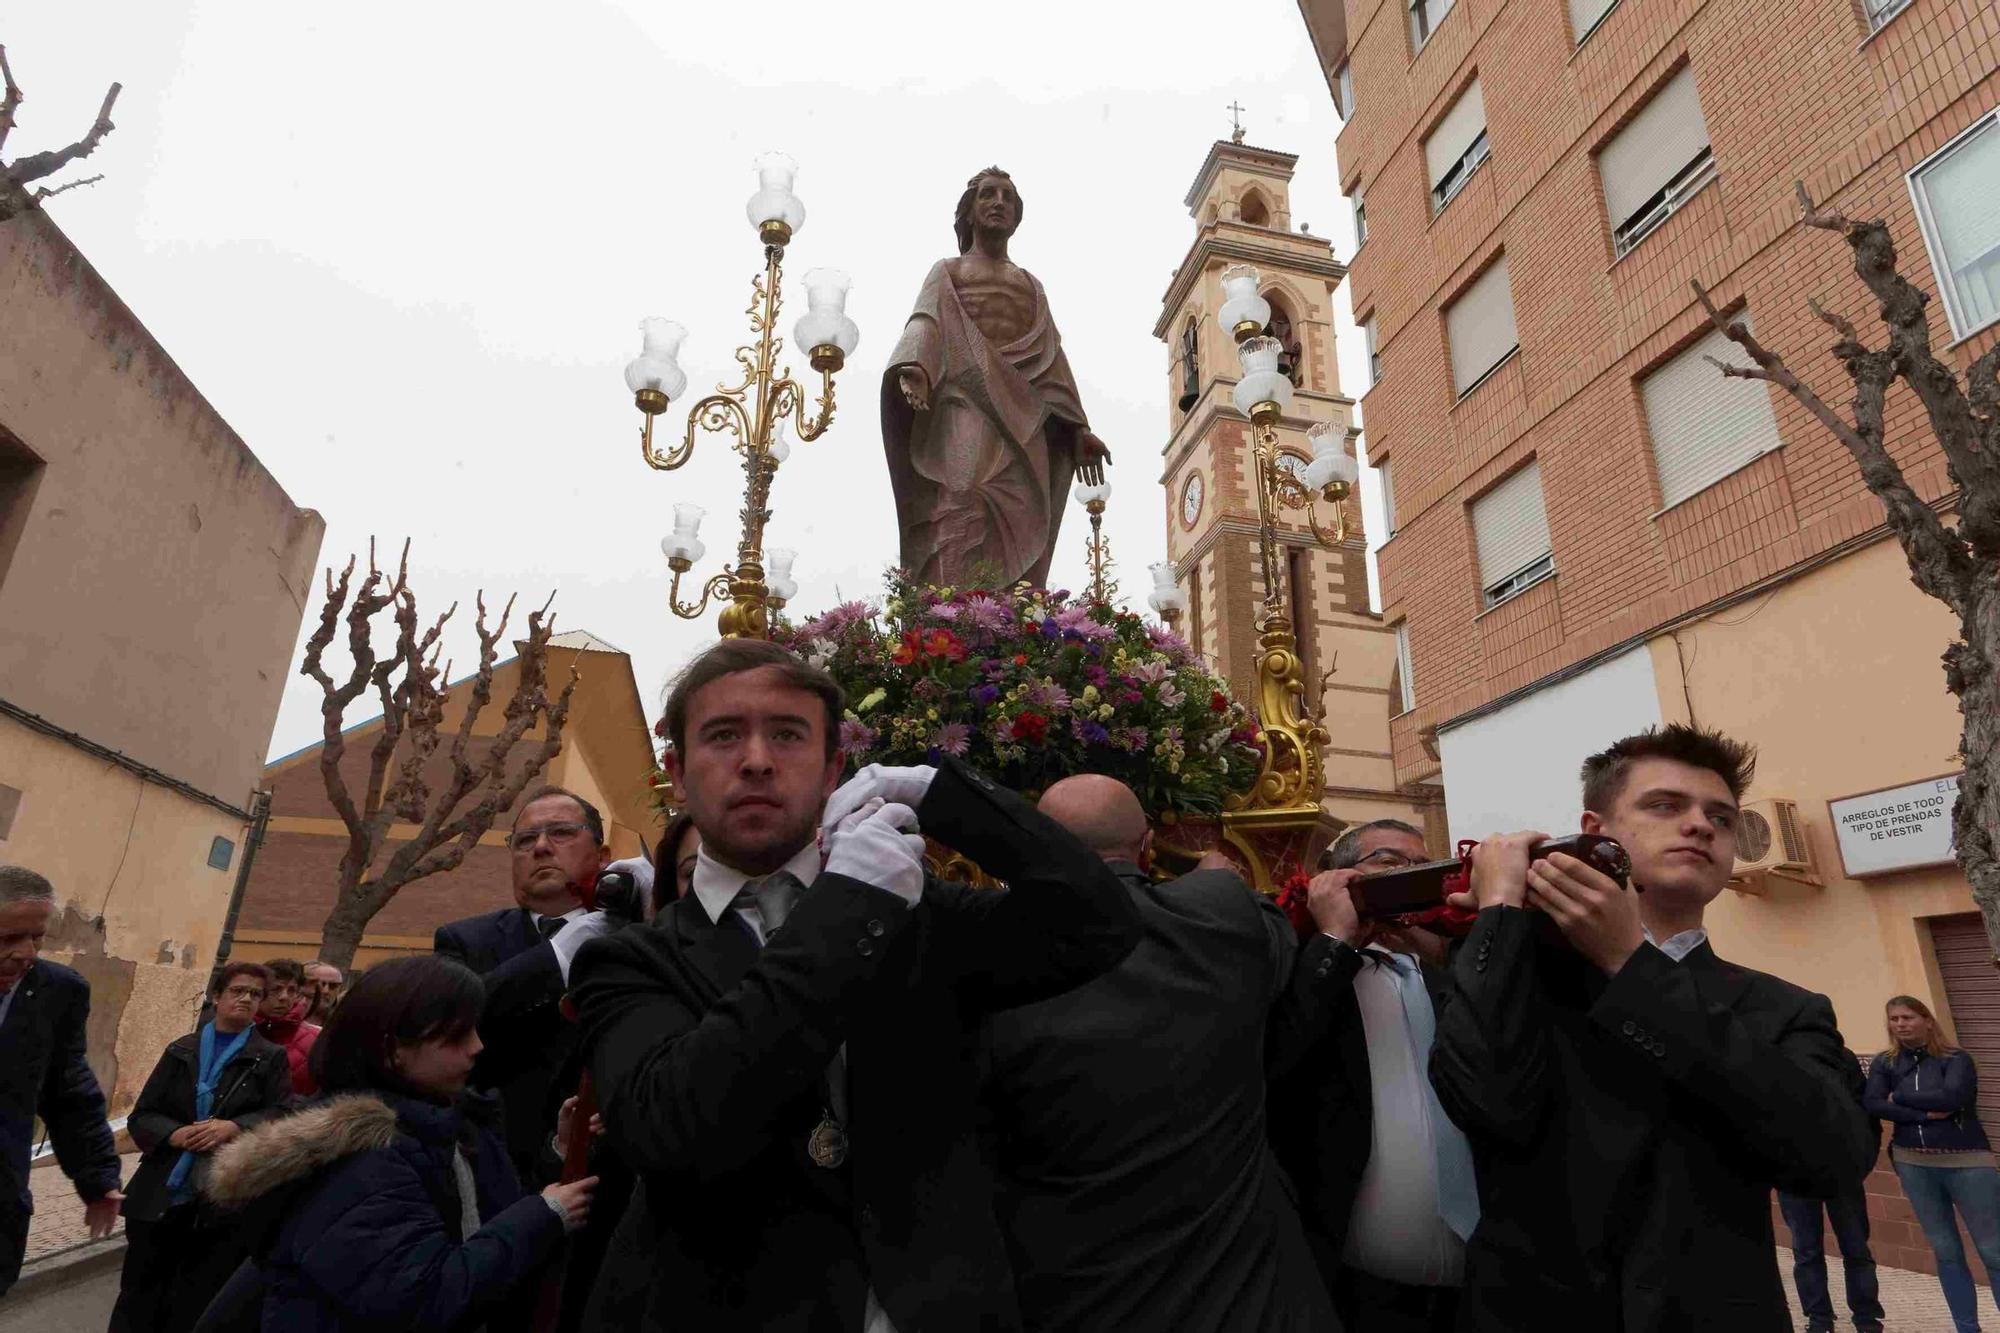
x: 786, y: 1055
x: 523, y: 954
x: 1385, y: 1178
x: 44, y: 1008
x: 1135, y: 1182
x: 1630, y: 1097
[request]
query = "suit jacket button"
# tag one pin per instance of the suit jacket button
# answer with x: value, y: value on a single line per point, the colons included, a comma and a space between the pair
x: 867, y: 1216
x: 1659, y: 1048
x: 864, y: 947
x: 876, y: 928
x: 1627, y: 1027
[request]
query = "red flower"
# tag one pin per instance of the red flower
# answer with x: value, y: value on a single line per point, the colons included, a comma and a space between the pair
x: 912, y: 648
x: 1031, y: 727
x: 1218, y: 701
x: 943, y: 643
x: 660, y: 728
x: 1020, y: 659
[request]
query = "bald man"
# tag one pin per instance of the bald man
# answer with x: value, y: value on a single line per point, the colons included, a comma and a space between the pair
x: 1126, y: 1118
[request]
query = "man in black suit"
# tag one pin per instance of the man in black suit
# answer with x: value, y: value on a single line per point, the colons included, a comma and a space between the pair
x: 786, y: 1054
x: 1386, y: 1182
x: 1632, y: 1098
x: 44, y: 1008
x: 1135, y: 1181
x: 523, y: 953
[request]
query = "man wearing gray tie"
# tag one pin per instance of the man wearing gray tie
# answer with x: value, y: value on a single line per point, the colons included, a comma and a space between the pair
x: 787, y: 1055
x: 1387, y: 1190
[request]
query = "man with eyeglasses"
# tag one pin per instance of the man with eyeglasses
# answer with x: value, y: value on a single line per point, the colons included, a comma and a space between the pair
x: 523, y: 953
x: 1387, y: 1195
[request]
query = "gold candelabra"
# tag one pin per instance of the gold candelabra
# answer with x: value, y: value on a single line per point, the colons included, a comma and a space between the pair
x: 756, y: 412
x: 1098, y: 549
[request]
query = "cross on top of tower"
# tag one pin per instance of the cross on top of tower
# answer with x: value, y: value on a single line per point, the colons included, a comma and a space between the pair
x: 1236, y: 110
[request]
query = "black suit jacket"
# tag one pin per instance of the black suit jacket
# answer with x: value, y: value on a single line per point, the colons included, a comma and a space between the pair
x: 1322, y: 1095
x: 710, y: 1058
x: 529, y: 1056
x: 43, y: 1073
x: 1628, y: 1130
x: 254, y: 1086
x: 1135, y: 1182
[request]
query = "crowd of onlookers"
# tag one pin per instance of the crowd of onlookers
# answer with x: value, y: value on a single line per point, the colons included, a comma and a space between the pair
x: 781, y: 1076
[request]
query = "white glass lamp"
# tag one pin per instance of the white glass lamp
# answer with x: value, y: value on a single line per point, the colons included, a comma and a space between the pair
x: 655, y: 375
x: 774, y: 210
x: 780, y: 447
x: 824, y: 330
x: 1264, y: 392
x: 1330, y: 464
x: 682, y: 546
x: 1244, y: 313
x: 778, y: 573
x: 1086, y: 494
x: 1166, y: 598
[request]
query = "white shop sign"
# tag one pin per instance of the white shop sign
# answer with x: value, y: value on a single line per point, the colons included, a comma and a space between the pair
x: 1896, y: 828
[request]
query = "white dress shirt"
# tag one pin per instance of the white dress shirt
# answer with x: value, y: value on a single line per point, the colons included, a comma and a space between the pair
x: 716, y: 886
x: 1678, y: 947
x: 1395, y: 1231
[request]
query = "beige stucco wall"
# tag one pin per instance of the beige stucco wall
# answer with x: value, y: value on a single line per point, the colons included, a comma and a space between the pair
x: 1835, y: 677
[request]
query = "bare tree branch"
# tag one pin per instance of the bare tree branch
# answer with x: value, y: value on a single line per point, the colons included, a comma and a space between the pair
x: 37, y: 165
x: 10, y: 102
x: 44, y: 192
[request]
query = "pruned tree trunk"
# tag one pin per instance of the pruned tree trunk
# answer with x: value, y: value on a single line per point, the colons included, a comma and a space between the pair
x: 15, y: 197
x: 409, y: 688
x: 1956, y: 562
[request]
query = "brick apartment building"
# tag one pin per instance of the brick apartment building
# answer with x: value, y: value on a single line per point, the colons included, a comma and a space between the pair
x: 1590, y: 529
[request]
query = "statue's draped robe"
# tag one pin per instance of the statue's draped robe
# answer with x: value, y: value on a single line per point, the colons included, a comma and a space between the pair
x: 980, y: 479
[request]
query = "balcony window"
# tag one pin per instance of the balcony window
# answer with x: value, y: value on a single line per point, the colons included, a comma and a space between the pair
x: 1457, y: 147
x: 1958, y: 204
x: 1659, y: 161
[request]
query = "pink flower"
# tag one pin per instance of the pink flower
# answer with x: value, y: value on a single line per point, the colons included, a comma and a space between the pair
x: 952, y: 738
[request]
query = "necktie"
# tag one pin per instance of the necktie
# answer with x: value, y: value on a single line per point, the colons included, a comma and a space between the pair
x: 1458, y: 1191
x: 776, y: 895
x: 550, y: 926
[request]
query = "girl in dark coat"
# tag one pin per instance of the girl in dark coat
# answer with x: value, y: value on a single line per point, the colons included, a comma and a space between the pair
x: 1930, y: 1092
x: 398, y: 1208
x: 209, y: 1088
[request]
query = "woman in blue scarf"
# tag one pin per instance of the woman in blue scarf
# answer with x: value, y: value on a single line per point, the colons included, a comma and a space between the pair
x: 209, y: 1087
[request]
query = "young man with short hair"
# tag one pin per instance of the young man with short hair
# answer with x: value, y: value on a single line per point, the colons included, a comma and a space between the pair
x: 281, y: 1020
x: 1631, y: 1098
x: 786, y: 1054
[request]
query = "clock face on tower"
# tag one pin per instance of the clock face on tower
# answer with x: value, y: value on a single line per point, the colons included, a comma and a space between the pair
x: 1292, y: 465
x: 1191, y: 500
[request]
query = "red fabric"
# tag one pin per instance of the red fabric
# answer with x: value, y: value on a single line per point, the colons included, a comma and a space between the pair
x: 297, y: 1037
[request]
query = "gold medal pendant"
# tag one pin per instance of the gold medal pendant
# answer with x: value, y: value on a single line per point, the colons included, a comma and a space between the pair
x: 828, y: 1144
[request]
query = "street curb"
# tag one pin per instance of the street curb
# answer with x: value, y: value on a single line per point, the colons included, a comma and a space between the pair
x: 53, y: 1272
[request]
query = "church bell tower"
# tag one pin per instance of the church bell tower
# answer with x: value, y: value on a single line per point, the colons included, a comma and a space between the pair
x: 1241, y: 206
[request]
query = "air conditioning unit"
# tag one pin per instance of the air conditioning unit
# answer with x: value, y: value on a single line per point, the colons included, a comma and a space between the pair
x: 1771, y: 840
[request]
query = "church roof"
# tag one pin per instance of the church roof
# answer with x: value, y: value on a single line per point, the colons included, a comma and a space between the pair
x: 1242, y: 154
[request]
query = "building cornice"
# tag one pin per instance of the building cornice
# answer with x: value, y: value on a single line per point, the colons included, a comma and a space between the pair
x: 1284, y: 536
x: 1215, y: 405
x: 1315, y: 259
x: 1268, y: 161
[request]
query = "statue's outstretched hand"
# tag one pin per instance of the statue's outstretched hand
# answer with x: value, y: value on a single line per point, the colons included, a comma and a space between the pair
x: 916, y: 387
x: 1091, y: 457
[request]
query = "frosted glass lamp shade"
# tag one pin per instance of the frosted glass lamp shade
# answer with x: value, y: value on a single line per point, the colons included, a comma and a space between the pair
x: 825, y: 323
x: 657, y: 366
x: 676, y: 546
x: 774, y: 210
x: 780, y: 447
x: 1085, y: 494
x: 1330, y: 462
x: 1166, y: 595
x: 1244, y: 313
x: 778, y: 562
x: 1262, y: 381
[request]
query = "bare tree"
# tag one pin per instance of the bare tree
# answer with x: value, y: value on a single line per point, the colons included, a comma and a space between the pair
x: 410, y: 690
x: 17, y: 175
x: 1956, y: 562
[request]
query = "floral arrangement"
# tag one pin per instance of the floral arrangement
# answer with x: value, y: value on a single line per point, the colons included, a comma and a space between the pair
x: 1031, y: 686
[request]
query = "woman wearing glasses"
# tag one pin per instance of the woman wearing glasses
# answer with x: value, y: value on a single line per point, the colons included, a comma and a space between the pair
x: 208, y: 1088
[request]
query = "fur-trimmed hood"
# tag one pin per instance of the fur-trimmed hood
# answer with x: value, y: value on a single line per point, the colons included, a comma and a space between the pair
x: 297, y: 1147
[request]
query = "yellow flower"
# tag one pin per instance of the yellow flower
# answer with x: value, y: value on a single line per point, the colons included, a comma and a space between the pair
x: 1089, y: 694
x: 873, y: 698
x: 1105, y: 712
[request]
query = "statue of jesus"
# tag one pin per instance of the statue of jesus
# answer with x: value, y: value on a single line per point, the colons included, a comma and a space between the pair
x: 980, y: 416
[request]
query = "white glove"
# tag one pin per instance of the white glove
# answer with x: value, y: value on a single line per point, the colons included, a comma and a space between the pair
x: 870, y: 845
x: 575, y: 935
x: 641, y: 871
x: 900, y: 786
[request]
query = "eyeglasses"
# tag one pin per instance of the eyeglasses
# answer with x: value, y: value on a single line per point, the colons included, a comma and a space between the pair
x: 244, y: 993
x: 1384, y: 858
x: 521, y: 839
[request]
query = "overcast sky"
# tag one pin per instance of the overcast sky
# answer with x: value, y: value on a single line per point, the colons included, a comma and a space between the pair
x: 404, y: 248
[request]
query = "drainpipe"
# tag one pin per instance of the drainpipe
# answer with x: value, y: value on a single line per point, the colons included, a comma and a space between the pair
x: 260, y: 817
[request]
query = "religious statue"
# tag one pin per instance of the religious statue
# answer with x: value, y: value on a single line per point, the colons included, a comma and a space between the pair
x: 980, y: 416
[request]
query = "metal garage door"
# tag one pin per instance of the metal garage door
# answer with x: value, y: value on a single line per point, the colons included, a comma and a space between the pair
x: 1972, y: 988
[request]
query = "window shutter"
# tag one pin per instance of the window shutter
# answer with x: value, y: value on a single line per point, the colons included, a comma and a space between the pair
x: 1408, y: 687
x: 1960, y: 192
x: 1704, y: 426
x: 1455, y: 133
x: 1584, y: 14
x: 1388, y: 496
x: 1664, y: 137
x: 1480, y: 325
x: 1510, y: 525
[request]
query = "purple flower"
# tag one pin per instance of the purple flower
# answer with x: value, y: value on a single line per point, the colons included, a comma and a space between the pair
x: 1090, y: 733
x: 1096, y: 675
x: 952, y: 738
x: 986, y: 614
x: 855, y: 737
x: 984, y: 695
x: 829, y: 624
x: 1129, y: 697
x: 1049, y: 695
